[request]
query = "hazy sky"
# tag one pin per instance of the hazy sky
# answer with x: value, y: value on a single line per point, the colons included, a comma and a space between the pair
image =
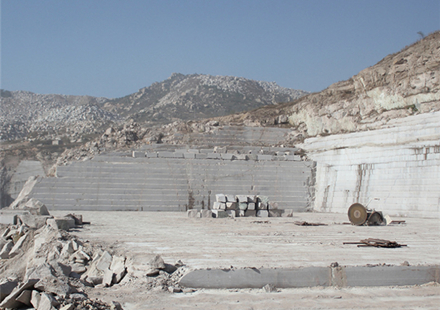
x: 112, y: 48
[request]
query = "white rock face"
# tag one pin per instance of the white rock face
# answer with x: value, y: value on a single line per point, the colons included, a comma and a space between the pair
x: 395, y: 169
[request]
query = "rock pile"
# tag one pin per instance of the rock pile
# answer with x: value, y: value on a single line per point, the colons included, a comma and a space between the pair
x: 44, y: 267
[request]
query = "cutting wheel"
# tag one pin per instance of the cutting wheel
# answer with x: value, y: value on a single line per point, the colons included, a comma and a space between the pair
x: 357, y: 214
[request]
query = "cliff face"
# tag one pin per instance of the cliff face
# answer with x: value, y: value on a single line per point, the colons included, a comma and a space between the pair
x: 400, y: 85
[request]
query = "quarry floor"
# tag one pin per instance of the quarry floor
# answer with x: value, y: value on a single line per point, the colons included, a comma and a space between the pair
x: 262, y: 242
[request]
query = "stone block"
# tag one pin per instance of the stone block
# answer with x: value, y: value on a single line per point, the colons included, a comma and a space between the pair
x: 201, y: 156
x: 213, y: 156
x: 251, y: 206
x: 227, y: 156
x: 242, y: 157
x: 35, y: 207
x: 151, y: 154
x: 219, y: 149
x: 241, y: 198
x: 189, y: 155
x: 138, y: 154
x: 230, y: 198
x: 169, y: 155
x: 261, y: 206
x: 242, y: 206
x: 192, y: 213
x: 220, y: 198
x: 219, y: 214
x: 34, y: 221
x: 194, y: 151
x: 206, y: 214
x: 263, y: 199
x: 8, y: 218
x: 249, y: 213
x: 219, y: 205
x: 292, y: 157
x: 252, y: 157
x: 63, y: 223
x: 251, y: 198
x: 262, y: 213
x: 261, y: 157
x: 231, y: 206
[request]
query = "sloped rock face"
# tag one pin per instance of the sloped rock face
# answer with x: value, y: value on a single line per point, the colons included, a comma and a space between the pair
x: 400, y: 85
x: 198, y: 96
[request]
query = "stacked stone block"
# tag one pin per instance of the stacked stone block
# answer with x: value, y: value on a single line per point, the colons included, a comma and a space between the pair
x: 242, y: 205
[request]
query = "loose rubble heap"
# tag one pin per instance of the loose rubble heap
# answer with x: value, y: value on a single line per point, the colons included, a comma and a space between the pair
x: 240, y: 206
x: 44, y: 267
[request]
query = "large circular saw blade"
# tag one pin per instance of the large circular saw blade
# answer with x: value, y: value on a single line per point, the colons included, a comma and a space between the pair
x: 357, y: 214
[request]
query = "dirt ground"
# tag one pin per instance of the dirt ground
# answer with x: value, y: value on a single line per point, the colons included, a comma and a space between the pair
x: 260, y: 242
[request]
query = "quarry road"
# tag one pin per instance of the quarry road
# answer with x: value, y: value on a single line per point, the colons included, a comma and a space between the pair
x: 258, y: 242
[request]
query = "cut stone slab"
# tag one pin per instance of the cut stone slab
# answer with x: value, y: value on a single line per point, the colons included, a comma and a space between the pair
x: 34, y: 221
x: 251, y: 206
x: 256, y: 278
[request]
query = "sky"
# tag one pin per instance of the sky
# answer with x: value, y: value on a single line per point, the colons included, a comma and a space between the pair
x: 112, y: 48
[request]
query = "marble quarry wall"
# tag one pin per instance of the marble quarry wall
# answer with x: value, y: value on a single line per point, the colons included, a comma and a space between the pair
x: 395, y: 170
x: 178, y: 180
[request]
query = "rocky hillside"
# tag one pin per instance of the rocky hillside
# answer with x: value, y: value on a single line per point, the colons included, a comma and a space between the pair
x: 198, y: 96
x: 180, y: 97
x: 25, y: 114
x: 401, y: 84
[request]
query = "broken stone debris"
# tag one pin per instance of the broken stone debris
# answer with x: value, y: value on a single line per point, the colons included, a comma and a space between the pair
x: 47, y: 268
x: 165, y: 277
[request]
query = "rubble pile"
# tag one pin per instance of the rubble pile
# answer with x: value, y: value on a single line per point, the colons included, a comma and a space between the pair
x: 45, y: 267
x: 239, y: 206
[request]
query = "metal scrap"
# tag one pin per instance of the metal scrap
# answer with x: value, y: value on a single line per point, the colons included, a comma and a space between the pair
x: 378, y: 243
x: 304, y: 223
